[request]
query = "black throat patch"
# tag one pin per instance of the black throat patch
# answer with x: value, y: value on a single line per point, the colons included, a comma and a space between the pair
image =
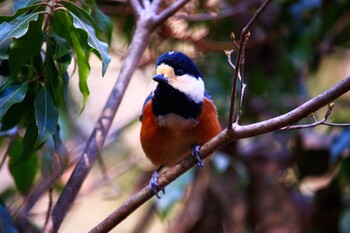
x: 167, y: 99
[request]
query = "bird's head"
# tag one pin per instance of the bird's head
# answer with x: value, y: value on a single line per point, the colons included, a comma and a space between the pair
x: 178, y: 71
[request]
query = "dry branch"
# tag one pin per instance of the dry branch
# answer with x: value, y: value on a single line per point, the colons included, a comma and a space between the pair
x: 225, y: 137
x: 147, y: 20
x: 241, y: 47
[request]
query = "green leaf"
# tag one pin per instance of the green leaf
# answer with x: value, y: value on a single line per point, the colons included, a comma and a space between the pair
x: 103, y: 21
x: 18, y: 4
x: 22, y: 11
x: 22, y: 172
x: 34, y: 38
x: 21, y: 113
x: 82, y: 14
x: 83, y: 66
x: 94, y: 42
x: 60, y: 46
x: 11, y: 95
x: 51, y: 76
x: 29, y: 141
x: 46, y: 115
x: 6, y: 224
x: 4, y: 50
x: 17, y: 27
x: 82, y: 51
x: 82, y: 20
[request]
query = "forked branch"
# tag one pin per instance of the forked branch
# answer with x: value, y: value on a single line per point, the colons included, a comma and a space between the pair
x: 225, y: 137
x: 240, y: 53
x: 318, y: 122
x: 148, y: 18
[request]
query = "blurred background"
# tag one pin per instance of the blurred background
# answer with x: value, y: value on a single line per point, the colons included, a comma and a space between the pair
x: 281, y: 182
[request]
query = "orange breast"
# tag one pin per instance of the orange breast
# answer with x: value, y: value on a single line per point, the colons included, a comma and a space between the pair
x: 168, y: 146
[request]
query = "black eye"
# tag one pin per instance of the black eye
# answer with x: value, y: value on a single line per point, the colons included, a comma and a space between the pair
x: 179, y: 72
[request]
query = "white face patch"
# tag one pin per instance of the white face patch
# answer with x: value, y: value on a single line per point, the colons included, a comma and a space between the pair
x: 193, y: 87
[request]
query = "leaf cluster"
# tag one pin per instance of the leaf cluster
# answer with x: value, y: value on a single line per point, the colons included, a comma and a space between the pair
x: 37, y: 44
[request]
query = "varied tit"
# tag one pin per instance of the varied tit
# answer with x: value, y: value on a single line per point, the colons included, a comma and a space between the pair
x: 178, y: 116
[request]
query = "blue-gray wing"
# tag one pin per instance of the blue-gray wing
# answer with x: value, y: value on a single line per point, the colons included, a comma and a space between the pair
x: 149, y: 97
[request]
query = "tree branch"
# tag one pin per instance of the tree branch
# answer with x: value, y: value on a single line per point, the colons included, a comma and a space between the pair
x: 316, y: 122
x: 226, y: 136
x: 98, y: 136
x: 177, y: 5
x: 227, y: 12
x: 136, y: 7
x: 145, y: 24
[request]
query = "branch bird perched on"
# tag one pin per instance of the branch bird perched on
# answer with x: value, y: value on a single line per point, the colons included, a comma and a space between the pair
x: 178, y: 116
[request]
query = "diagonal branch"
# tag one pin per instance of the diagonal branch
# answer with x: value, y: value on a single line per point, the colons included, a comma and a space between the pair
x: 136, y: 6
x: 146, y: 22
x: 316, y: 122
x: 224, y: 13
x: 226, y: 136
x: 166, y: 13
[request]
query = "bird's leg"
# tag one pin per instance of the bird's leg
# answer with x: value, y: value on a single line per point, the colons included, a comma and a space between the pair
x: 196, y: 155
x: 153, y: 183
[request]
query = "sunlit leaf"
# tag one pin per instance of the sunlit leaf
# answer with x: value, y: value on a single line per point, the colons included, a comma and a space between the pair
x: 46, y: 115
x: 94, y: 42
x: 11, y: 95
x: 83, y: 66
x: 82, y: 20
x: 17, y: 27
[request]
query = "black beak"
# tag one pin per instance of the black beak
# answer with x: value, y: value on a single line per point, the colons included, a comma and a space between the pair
x: 160, y: 78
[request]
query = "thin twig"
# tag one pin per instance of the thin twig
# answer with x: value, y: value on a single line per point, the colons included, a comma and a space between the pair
x: 224, y: 13
x: 242, y: 87
x: 166, y: 13
x: 239, y: 57
x: 316, y: 122
x: 242, y: 84
x: 225, y: 137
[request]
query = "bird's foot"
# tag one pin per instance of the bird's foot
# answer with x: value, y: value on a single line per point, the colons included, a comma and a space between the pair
x: 153, y: 183
x: 196, y: 155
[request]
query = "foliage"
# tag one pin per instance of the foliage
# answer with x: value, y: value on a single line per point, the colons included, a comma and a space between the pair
x: 37, y: 43
x: 42, y: 38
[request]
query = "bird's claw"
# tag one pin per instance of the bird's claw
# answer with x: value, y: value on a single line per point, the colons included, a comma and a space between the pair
x: 153, y: 184
x: 196, y: 155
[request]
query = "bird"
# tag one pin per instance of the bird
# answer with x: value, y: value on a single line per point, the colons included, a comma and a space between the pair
x: 178, y: 116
